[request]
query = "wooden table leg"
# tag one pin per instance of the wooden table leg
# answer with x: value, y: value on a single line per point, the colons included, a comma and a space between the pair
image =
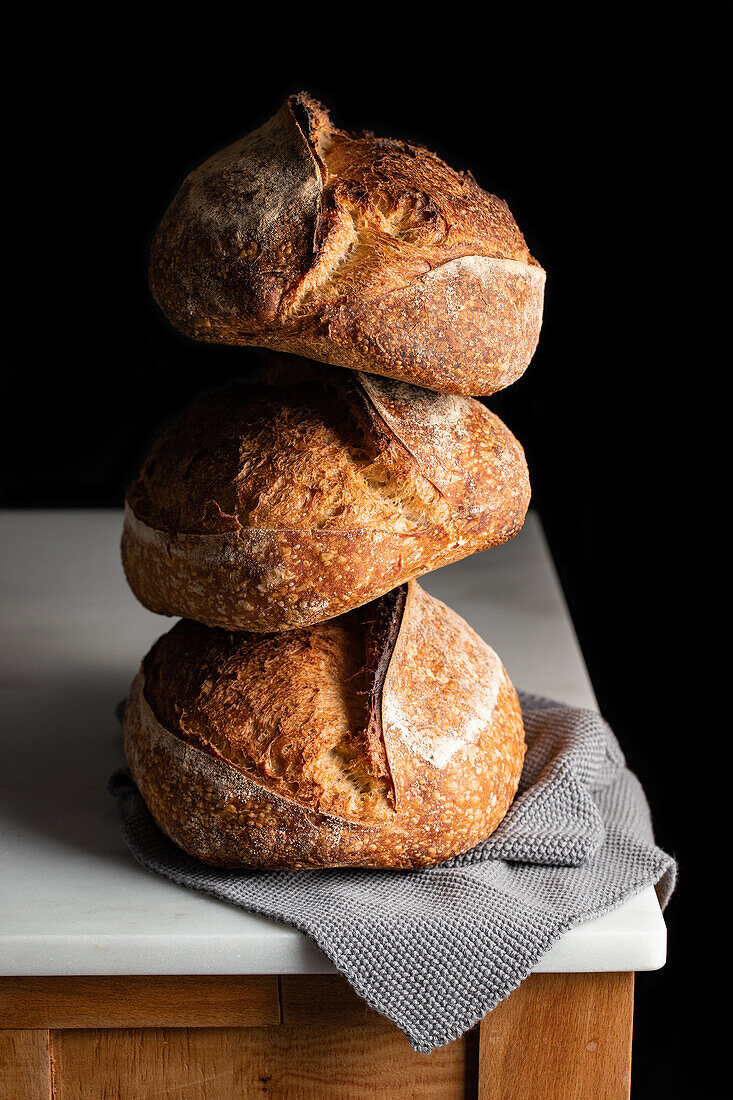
x: 559, y: 1037
x: 25, y: 1065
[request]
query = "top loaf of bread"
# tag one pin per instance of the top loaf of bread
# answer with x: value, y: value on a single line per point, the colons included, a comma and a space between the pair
x: 362, y: 252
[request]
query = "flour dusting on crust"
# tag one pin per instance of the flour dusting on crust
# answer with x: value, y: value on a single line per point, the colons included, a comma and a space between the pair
x: 455, y: 673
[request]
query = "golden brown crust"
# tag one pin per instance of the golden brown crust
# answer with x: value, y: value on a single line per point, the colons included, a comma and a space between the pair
x: 277, y: 506
x: 358, y: 251
x: 264, y: 752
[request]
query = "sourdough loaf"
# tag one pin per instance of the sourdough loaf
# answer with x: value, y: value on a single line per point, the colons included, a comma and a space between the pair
x: 357, y: 251
x: 388, y: 737
x: 273, y: 506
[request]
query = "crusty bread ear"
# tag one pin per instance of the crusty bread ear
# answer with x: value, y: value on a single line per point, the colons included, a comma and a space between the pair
x: 390, y: 737
x: 362, y: 252
x: 271, y: 507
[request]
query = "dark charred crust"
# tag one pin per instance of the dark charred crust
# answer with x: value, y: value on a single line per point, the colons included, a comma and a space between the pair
x: 380, y: 426
x: 351, y: 390
x: 382, y: 621
x: 311, y: 116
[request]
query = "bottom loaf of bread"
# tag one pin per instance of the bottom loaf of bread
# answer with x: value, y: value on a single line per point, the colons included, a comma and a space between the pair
x: 388, y: 737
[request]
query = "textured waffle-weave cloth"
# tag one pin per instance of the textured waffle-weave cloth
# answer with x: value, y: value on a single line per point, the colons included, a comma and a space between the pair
x: 435, y: 950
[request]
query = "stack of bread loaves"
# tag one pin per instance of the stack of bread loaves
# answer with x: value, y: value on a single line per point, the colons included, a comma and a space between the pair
x: 314, y: 707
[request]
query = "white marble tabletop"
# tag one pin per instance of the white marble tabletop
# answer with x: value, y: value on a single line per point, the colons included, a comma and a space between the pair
x: 72, y: 900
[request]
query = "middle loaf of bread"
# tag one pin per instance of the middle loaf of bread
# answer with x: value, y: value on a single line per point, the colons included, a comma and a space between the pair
x: 284, y: 503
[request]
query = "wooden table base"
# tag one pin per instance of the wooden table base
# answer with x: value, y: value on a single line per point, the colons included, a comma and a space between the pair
x: 557, y: 1037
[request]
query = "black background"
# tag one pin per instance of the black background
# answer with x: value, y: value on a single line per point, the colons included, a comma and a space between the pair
x: 598, y: 130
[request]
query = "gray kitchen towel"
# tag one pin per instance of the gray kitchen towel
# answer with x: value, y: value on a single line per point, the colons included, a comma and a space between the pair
x: 435, y: 950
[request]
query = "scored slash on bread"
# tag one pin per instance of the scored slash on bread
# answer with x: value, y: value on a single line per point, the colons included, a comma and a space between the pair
x: 388, y: 737
x: 358, y: 251
x: 274, y: 506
